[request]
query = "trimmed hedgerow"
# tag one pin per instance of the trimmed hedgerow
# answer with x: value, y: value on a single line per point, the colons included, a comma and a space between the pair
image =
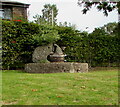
x: 20, y: 38
x: 17, y: 42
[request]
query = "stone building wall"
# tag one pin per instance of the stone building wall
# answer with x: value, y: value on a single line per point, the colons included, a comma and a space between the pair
x: 19, y: 12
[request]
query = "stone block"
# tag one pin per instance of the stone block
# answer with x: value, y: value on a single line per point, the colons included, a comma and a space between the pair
x: 19, y: 12
x: 41, y: 53
x: 47, y: 53
x: 56, y: 67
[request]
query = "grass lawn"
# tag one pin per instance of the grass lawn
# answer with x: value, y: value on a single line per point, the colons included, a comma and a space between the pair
x: 93, y: 88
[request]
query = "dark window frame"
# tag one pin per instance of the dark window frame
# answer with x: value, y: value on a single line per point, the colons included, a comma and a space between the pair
x: 7, y: 13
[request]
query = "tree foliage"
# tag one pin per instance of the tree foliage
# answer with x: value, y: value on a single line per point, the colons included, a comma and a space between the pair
x: 17, y: 42
x: 47, y: 35
x: 111, y: 28
x: 49, y: 14
x: 100, y: 48
x: 19, y: 39
x: 105, y: 6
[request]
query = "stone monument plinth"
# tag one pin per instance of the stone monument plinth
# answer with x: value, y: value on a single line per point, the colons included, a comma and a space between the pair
x: 50, y: 59
x: 56, y: 67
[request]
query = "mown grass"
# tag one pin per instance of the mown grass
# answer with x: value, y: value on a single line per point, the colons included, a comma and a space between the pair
x: 93, y: 88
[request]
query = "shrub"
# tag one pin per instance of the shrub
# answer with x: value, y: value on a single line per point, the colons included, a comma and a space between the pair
x: 17, y: 42
x: 48, y: 35
x: 20, y: 38
x: 97, y: 49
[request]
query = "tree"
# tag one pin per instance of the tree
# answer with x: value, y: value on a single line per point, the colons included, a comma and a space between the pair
x: 49, y: 14
x: 105, y: 6
x: 110, y: 28
x: 66, y: 24
x: 39, y: 19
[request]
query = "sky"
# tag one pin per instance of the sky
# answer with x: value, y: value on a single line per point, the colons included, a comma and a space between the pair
x: 68, y: 10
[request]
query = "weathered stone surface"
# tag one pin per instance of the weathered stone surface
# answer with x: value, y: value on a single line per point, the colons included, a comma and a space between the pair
x: 57, y: 50
x: 56, y: 67
x: 19, y: 12
x: 40, y: 53
x: 81, y: 67
x: 56, y: 55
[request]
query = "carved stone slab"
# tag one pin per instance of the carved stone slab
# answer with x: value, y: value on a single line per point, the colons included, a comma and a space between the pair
x: 69, y: 67
x: 40, y: 53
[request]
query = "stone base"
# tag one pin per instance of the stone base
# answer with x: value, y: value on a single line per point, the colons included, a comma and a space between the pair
x: 56, y: 67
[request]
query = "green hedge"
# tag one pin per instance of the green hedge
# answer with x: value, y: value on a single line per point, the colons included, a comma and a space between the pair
x: 103, y: 50
x: 17, y: 43
x: 20, y: 38
x: 97, y: 50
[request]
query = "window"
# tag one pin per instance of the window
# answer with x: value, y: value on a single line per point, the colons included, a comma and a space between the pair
x: 6, y: 13
x: 1, y: 13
